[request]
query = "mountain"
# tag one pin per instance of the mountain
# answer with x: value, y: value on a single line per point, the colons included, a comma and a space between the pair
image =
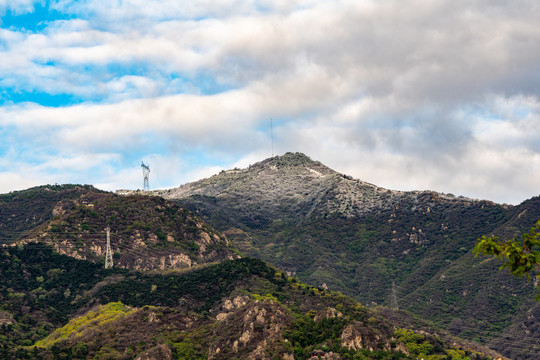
x: 58, y: 307
x: 407, y: 250
x: 146, y: 232
x: 377, y: 244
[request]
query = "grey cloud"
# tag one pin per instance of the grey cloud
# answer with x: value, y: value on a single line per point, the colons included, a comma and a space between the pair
x: 442, y: 94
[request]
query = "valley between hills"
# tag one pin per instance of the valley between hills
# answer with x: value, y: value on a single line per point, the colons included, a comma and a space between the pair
x: 286, y: 259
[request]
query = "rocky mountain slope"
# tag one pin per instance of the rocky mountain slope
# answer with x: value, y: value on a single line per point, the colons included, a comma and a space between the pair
x: 146, y: 232
x: 296, y: 188
x: 57, y: 307
x: 376, y: 244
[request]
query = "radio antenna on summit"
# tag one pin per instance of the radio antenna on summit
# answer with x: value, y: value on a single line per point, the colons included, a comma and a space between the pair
x: 272, y: 134
x: 146, y: 174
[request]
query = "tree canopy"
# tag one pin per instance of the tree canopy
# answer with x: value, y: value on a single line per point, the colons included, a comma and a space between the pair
x: 520, y: 256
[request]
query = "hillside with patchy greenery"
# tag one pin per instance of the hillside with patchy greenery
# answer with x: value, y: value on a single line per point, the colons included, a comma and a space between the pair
x: 330, y: 229
x: 22, y: 211
x: 146, y: 232
x: 57, y: 307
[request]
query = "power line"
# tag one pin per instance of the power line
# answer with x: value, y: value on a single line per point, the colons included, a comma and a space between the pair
x: 46, y: 243
x: 124, y: 248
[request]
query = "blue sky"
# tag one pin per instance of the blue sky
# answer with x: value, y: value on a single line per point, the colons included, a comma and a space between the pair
x: 440, y: 95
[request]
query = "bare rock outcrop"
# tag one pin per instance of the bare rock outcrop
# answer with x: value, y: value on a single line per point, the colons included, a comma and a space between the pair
x: 358, y: 336
x: 258, y: 325
x: 159, y: 352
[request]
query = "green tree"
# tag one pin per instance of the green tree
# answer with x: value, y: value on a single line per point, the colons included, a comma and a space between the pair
x: 520, y: 256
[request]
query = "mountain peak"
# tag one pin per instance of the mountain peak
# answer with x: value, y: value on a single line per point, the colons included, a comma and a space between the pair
x: 298, y: 163
x: 283, y: 185
x: 290, y: 159
x: 294, y: 186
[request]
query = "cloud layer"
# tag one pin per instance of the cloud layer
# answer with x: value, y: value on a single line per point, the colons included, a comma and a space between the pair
x: 440, y: 95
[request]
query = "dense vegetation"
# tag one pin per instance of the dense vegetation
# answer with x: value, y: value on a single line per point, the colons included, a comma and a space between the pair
x: 187, y: 315
x: 40, y: 290
x: 203, y: 288
x: 521, y: 256
x: 426, y: 254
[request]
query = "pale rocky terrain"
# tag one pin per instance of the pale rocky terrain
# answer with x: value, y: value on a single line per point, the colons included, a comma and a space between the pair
x: 295, y: 185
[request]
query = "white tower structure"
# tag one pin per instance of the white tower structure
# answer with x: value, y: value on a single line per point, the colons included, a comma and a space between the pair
x: 146, y: 174
x: 108, y: 255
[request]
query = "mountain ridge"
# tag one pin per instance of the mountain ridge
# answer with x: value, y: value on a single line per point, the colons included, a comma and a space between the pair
x: 355, y: 237
x: 325, y: 228
x: 293, y: 183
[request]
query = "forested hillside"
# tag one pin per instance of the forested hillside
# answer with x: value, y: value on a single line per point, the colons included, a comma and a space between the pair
x: 58, y: 307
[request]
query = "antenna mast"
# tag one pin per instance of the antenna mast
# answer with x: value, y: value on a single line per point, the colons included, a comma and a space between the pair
x: 272, y: 134
x: 146, y: 174
x: 108, y: 255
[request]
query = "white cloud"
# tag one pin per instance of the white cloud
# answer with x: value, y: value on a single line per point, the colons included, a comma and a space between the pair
x: 17, y: 6
x: 378, y: 48
x: 435, y: 94
x: 14, y: 181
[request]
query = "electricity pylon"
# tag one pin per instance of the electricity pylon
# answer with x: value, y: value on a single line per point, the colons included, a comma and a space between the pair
x: 146, y: 174
x: 108, y: 254
x: 394, y: 296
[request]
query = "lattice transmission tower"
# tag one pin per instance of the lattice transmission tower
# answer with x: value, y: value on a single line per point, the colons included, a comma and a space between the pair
x: 394, y: 297
x: 146, y: 174
x: 108, y: 254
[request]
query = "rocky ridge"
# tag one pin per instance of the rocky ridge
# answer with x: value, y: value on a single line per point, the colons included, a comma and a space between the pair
x: 295, y: 186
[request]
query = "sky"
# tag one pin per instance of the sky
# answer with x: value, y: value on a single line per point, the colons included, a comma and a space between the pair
x: 439, y: 95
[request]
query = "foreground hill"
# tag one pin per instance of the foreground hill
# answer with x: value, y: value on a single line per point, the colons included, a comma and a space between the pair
x: 146, y: 232
x: 372, y: 243
x: 58, y: 307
